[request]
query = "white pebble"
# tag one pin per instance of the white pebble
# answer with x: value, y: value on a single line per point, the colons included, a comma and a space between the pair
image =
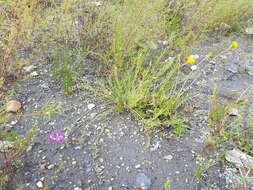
x: 39, y: 184
x: 34, y: 74
x: 194, y: 67
x: 168, y: 157
x: 91, y: 106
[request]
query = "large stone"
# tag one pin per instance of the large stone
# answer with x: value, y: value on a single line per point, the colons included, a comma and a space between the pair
x: 143, y: 182
x: 239, y: 158
x: 13, y: 106
x: 249, y: 68
x: 242, y: 69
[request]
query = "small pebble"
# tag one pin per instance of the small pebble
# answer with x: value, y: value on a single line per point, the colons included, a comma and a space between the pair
x: 74, y: 163
x: 194, y: 67
x: 51, y: 166
x: 34, y: 74
x: 98, y: 3
x: 196, y: 56
x: 28, y: 69
x: 39, y: 184
x: 91, y: 106
x: 14, y: 122
x: 234, y: 112
x: 168, y: 157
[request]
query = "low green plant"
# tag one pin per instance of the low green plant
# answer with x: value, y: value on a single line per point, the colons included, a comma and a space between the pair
x: 65, y: 66
x: 166, y: 185
x: 202, y: 166
x: 14, y: 146
x: 218, y: 112
x: 246, y: 177
x: 227, y: 129
x: 149, y: 88
x: 48, y: 110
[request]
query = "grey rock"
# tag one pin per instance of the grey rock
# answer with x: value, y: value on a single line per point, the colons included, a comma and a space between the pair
x: 242, y: 69
x: 143, y: 182
x: 28, y: 69
x: 239, y: 158
x: 229, y: 93
x: 233, y: 112
x: 249, y: 69
x: 45, y: 86
x: 232, y: 67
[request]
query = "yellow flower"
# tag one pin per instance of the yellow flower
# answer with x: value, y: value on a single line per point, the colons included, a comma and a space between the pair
x: 234, y: 44
x: 191, y: 59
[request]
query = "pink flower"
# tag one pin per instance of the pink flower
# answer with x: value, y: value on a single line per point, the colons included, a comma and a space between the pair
x: 57, y: 136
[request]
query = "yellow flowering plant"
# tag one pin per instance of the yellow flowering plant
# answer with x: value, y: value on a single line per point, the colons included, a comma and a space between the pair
x: 234, y: 44
x: 191, y: 59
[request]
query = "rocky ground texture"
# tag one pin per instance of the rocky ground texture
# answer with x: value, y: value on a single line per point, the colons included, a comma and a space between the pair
x: 110, y: 151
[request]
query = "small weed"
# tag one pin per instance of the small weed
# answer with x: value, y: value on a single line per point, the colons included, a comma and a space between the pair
x: 218, y: 112
x: 45, y: 188
x: 65, y: 65
x: 166, y: 185
x: 47, y: 111
x: 226, y: 129
x: 202, y: 166
x: 12, y: 156
x: 246, y: 177
x: 139, y: 88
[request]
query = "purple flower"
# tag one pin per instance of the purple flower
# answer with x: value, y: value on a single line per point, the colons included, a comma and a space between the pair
x: 57, y: 136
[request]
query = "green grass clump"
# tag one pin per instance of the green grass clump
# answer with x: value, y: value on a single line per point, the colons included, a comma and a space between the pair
x: 226, y: 129
x: 13, y: 147
x: 150, y: 89
x: 65, y: 66
x: 218, y: 112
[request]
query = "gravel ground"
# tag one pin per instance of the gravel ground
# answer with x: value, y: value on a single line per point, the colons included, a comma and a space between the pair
x: 108, y: 151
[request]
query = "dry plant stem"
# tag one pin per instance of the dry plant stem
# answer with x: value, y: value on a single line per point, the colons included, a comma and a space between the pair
x: 7, y: 58
x: 243, y: 93
x: 204, y: 59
